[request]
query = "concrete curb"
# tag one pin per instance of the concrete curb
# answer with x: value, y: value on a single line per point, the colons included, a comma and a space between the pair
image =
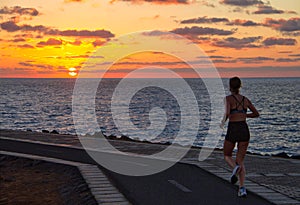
x: 100, y: 187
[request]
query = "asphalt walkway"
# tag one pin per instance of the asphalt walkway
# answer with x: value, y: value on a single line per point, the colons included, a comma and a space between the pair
x: 189, y: 182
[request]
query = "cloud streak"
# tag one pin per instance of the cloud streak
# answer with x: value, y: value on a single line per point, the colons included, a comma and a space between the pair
x: 241, y: 22
x: 204, y: 20
x: 243, y: 3
x: 196, y: 31
x: 50, y: 42
x: 19, y: 10
x: 238, y: 43
x: 279, y: 41
x: 290, y: 25
x: 286, y: 60
x: 10, y: 26
x: 264, y: 9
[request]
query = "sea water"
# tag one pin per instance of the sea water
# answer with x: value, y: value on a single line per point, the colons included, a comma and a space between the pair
x: 39, y: 104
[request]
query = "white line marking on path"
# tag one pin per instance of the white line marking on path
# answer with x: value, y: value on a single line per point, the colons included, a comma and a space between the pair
x: 179, y: 186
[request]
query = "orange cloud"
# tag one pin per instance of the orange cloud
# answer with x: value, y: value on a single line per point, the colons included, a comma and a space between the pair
x: 25, y: 46
x: 50, y: 42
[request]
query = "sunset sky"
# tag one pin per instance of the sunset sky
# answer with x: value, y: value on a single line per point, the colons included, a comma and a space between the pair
x: 53, y: 39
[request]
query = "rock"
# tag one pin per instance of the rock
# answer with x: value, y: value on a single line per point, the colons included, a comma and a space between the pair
x: 282, y: 154
x: 54, y: 132
x: 29, y: 130
x: 296, y: 157
x: 166, y: 143
x: 111, y: 137
x: 125, y: 138
x: 45, y: 131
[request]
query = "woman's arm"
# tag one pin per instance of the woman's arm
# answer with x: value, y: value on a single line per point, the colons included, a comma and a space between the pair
x: 254, y: 113
x: 226, y: 112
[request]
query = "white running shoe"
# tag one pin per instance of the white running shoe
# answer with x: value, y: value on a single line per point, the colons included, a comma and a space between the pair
x: 233, y: 177
x: 242, y: 192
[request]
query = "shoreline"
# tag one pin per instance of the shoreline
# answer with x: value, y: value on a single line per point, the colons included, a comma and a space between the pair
x: 128, y: 139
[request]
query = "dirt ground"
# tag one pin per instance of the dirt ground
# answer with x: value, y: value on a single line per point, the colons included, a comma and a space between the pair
x: 24, y: 181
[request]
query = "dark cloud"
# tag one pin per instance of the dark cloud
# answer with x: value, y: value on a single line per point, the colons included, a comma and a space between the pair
x: 258, y: 59
x: 241, y: 2
x: 220, y: 57
x: 30, y: 64
x: 238, y: 43
x: 155, y: 33
x: 290, y: 25
x: 195, y: 31
x: 211, y: 51
x: 50, y: 42
x: 295, y: 34
x: 288, y: 60
x: 24, y: 35
x: 264, y: 9
x: 24, y: 69
x: 294, y: 55
x: 16, y: 40
x: 204, y: 20
x: 19, y: 10
x: 224, y: 61
x: 240, y: 22
x: 10, y: 26
x: 236, y: 22
x: 149, y: 63
x: 82, y: 33
x: 279, y: 41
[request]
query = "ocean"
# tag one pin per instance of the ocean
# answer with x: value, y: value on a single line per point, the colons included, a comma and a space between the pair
x: 39, y: 104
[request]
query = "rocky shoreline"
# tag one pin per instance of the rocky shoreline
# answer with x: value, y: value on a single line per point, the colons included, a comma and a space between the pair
x: 54, y: 135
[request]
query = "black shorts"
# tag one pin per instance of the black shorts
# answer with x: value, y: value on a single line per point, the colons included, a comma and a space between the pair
x: 237, y: 132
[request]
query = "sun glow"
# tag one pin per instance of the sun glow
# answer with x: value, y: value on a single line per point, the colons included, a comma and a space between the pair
x: 72, y: 72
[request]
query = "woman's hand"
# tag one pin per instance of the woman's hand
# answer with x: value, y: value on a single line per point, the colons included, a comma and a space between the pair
x: 222, y: 124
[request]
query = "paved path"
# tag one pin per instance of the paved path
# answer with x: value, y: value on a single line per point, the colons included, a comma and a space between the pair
x: 181, y: 184
x: 274, y: 178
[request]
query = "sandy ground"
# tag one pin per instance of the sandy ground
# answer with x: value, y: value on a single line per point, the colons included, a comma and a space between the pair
x: 24, y: 181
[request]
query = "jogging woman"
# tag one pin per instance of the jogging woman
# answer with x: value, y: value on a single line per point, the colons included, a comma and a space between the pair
x: 236, y: 106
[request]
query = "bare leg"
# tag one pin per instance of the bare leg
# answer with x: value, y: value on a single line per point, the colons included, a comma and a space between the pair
x: 242, y: 149
x: 227, y: 149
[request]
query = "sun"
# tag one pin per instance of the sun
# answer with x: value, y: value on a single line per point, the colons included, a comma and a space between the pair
x: 72, y: 72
